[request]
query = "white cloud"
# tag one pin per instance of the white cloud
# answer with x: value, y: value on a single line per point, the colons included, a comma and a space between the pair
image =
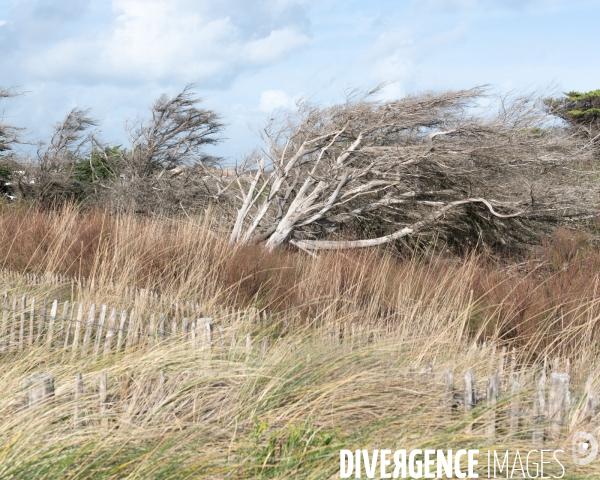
x: 453, y: 4
x: 397, y: 55
x: 273, y: 99
x: 154, y: 40
x: 392, y: 58
x: 456, y: 5
x: 269, y: 49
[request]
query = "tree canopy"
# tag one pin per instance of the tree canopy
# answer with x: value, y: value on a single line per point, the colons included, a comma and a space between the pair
x: 466, y: 167
x: 583, y: 107
x: 581, y: 110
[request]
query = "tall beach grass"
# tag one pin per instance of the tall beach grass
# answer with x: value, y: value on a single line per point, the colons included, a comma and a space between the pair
x: 284, y: 412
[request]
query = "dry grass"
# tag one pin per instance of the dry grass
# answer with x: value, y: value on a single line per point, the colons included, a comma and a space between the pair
x: 285, y: 414
x: 555, y: 291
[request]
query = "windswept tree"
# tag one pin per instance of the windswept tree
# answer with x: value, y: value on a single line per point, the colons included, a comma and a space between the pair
x: 438, y: 163
x: 9, y: 134
x: 50, y: 179
x: 75, y: 164
x: 581, y: 110
x: 175, y: 136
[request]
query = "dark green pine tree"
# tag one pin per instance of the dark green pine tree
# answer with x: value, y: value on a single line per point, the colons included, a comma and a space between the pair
x: 582, y: 107
x: 581, y: 111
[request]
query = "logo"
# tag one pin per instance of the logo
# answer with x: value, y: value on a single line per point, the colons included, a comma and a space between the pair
x: 585, y: 448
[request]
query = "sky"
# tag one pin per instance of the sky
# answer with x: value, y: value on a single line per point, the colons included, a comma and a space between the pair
x: 248, y: 58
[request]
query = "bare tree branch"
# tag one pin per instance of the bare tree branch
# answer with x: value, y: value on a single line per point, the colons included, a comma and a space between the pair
x: 174, y: 137
x: 395, y: 161
x: 414, y: 228
x: 9, y: 134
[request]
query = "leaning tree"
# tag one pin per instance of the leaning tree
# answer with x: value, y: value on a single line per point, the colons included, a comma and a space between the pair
x: 581, y: 111
x: 75, y: 164
x: 50, y: 179
x: 436, y: 162
x: 175, y: 135
x: 9, y: 134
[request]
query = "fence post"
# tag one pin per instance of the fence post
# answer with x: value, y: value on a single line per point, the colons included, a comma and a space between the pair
x: 121, y: 328
x: 77, y: 333
x: 99, y: 330
x: 11, y: 343
x: 539, y: 410
x: 63, y: 320
x: 204, y: 329
x: 515, y: 405
x: 110, y: 331
x: 492, y: 358
x: 193, y: 335
x: 427, y: 372
x: 31, y: 321
x: 513, y: 361
x: 151, y: 330
x: 39, y: 387
x: 208, y: 328
x: 78, y: 395
x: 51, y: 323
x: 184, y: 329
x: 248, y: 346
x: 130, y: 333
x: 502, y: 361
x: 88, y: 327
x: 448, y: 385
x: 5, y: 312
x: 493, y: 384
x: 41, y: 321
x: 558, y: 400
x: 22, y: 326
x: 161, y: 327
x: 556, y: 364
x: 103, y: 399
x: 470, y: 397
x: 449, y: 389
x: 68, y: 327
x: 201, y: 333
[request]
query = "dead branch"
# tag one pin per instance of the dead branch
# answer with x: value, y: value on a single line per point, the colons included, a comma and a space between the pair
x: 420, y: 163
x: 9, y: 134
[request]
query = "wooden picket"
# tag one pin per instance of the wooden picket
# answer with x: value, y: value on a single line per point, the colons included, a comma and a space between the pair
x: 40, y: 389
x: 152, y: 319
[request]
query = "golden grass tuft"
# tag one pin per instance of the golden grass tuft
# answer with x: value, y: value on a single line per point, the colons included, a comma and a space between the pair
x: 284, y: 413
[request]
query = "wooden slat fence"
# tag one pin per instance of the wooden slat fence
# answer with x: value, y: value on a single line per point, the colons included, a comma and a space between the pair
x: 132, y: 293
x: 514, y: 401
x: 95, y: 330
x: 496, y: 413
